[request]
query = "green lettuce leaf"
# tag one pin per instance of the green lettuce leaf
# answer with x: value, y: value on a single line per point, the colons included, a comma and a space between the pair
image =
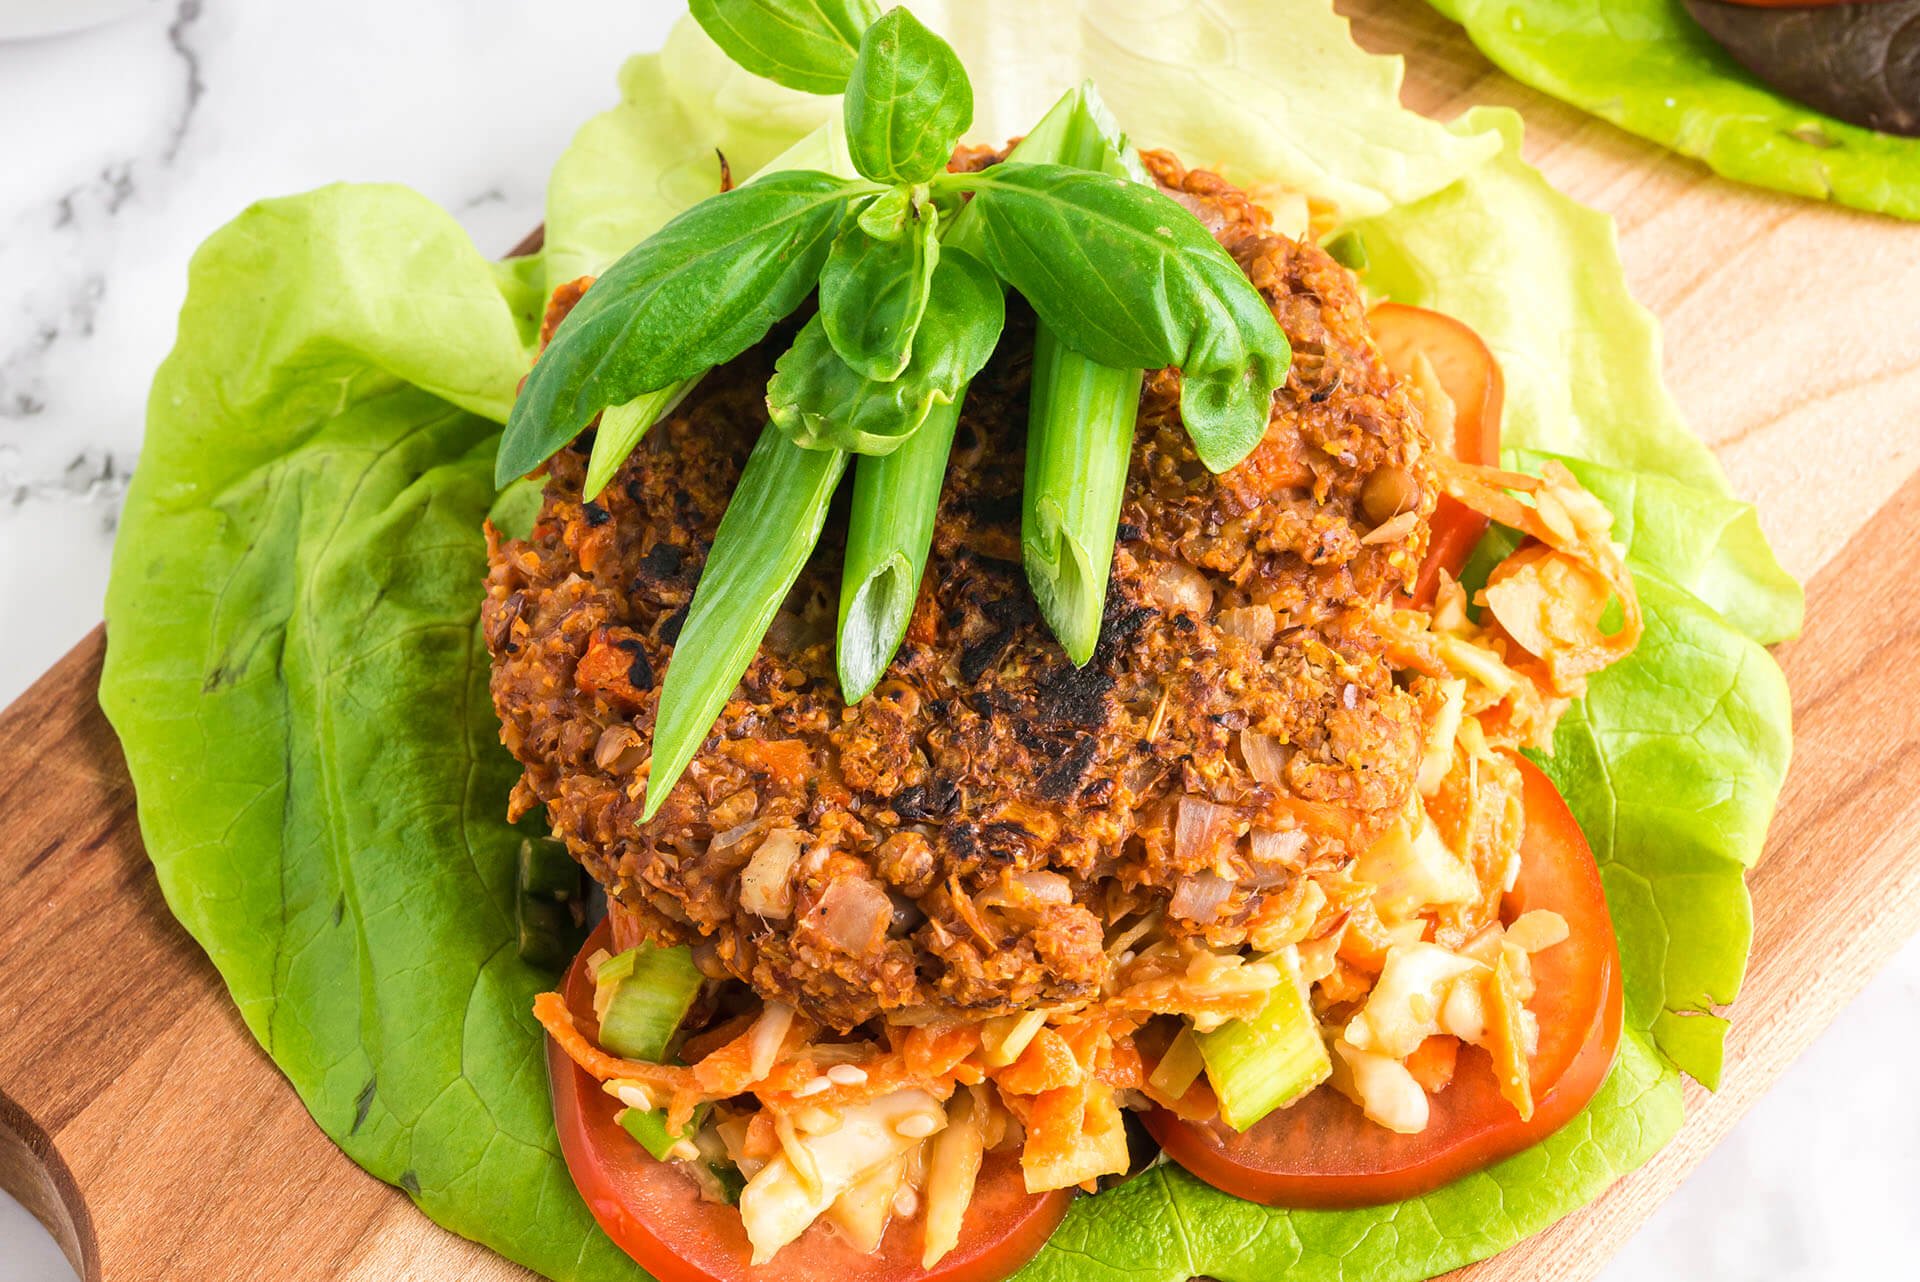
x: 1646, y: 66
x: 1267, y: 93
x: 632, y: 168
x: 298, y: 564
x: 1538, y: 275
x: 1703, y: 543
x: 294, y: 670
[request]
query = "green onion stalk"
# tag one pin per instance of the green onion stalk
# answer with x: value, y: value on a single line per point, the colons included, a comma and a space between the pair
x: 1080, y: 421
x: 1080, y: 438
x: 622, y: 426
x: 768, y: 531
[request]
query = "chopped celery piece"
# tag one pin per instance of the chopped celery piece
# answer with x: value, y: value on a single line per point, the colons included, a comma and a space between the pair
x: 1267, y: 1062
x: 648, y: 1001
x: 649, y: 1126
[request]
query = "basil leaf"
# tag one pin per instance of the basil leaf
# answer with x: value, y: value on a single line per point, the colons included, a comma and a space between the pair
x: 908, y: 101
x: 873, y: 294
x: 1124, y: 275
x: 694, y: 295
x: 807, y: 45
x: 820, y: 403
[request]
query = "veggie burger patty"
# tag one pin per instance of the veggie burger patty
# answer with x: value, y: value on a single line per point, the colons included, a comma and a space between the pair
x: 973, y: 835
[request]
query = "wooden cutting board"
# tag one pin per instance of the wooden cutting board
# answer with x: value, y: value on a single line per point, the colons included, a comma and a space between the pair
x: 141, y: 1122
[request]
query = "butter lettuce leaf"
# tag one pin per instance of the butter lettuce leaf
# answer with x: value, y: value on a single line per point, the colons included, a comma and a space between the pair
x: 631, y: 168
x: 296, y: 675
x: 1538, y: 276
x: 1648, y: 67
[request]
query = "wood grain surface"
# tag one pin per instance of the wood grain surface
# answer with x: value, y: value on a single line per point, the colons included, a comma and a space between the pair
x: 140, y: 1120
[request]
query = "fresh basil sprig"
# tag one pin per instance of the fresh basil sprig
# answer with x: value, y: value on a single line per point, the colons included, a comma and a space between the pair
x: 908, y: 101
x: 807, y: 45
x: 696, y: 294
x: 1126, y: 276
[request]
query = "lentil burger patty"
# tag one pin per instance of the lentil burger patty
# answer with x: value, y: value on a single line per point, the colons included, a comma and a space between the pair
x: 973, y: 833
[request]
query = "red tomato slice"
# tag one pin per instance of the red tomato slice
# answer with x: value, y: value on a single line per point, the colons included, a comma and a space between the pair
x: 1323, y: 1152
x: 656, y: 1215
x: 1471, y: 377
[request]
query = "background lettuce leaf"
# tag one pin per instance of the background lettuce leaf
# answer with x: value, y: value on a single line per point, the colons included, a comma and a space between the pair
x: 1539, y: 276
x: 294, y: 671
x: 1263, y: 92
x: 297, y: 678
x: 631, y: 168
x: 1646, y: 66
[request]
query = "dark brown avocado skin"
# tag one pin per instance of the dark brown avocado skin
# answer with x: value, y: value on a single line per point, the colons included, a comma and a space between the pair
x: 1856, y: 62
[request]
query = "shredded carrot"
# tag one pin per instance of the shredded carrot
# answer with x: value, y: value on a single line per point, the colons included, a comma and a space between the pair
x: 1432, y: 1062
x: 933, y: 1050
x: 1365, y: 943
x: 1505, y: 1041
x: 1047, y: 1064
x: 1122, y: 1070
x: 554, y: 1016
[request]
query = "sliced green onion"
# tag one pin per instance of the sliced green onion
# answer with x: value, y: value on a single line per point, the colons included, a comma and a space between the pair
x: 1080, y: 420
x: 1267, y: 1062
x: 641, y: 1003
x: 649, y: 1126
x: 1079, y: 444
x: 622, y: 426
x: 895, y: 500
x: 768, y: 531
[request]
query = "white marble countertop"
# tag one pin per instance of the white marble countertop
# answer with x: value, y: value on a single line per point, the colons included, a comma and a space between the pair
x: 124, y: 146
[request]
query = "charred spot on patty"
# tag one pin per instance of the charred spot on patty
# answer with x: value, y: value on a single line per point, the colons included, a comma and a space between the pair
x: 1240, y: 604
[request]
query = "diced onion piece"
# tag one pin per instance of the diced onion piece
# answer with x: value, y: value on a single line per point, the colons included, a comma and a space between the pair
x: 777, y: 1204
x: 1537, y: 931
x: 733, y: 836
x: 1394, y: 527
x: 764, y: 1040
x: 1179, y: 588
x: 1437, y: 758
x: 1199, y: 830
x: 1276, y: 847
x: 1266, y: 757
x: 1383, y: 1088
x: 1199, y: 895
x: 1251, y: 623
x: 952, y: 1167
x: 766, y: 883
x: 854, y: 914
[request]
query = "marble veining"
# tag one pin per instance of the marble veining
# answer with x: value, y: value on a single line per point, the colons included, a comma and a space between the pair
x: 126, y: 145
